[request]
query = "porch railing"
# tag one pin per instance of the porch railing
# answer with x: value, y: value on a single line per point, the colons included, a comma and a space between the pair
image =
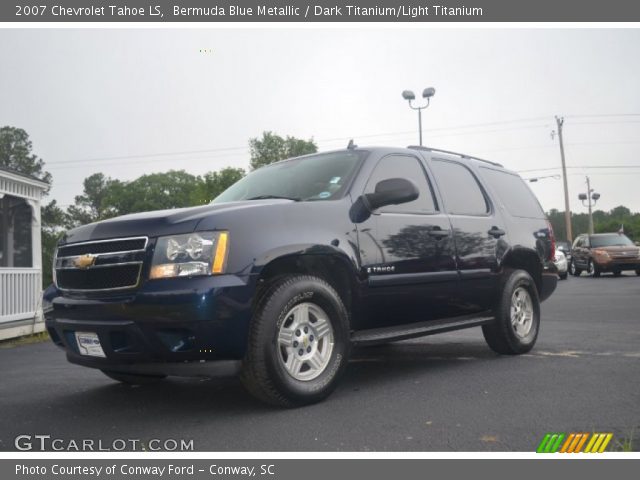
x: 20, y: 291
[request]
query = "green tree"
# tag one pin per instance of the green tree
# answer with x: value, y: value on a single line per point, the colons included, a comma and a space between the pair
x: 155, y: 191
x: 603, y: 222
x: 213, y: 184
x: 92, y: 205
x: 15, y: 154
x: 272, y: 148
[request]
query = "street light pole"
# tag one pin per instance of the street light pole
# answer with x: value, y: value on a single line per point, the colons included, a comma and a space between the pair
x: 567, y: 211
x: 590, y: 195
x: 427, y: 93
x: 590, y: 209
x: 420, y: 124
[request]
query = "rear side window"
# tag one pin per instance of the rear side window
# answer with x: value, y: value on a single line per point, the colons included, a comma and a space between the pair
x: 403, y: 166
x: 513, y: 193
x: 460, y: 189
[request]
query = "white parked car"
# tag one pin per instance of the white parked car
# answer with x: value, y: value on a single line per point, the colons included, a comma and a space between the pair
x: 560, y: 261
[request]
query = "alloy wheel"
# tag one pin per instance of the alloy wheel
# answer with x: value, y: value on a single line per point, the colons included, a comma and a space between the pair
x: 305, y: 341
x: 521, y: 312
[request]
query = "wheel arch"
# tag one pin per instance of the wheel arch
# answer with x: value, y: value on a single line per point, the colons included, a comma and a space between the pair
x: 333, y: 267
x: 524, y: 259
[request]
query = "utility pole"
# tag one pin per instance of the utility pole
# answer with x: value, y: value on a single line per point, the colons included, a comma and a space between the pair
x: 567, y: 211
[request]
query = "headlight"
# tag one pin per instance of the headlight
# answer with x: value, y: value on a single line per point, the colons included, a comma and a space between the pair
x: 602, y: 253
x: 200, y: 253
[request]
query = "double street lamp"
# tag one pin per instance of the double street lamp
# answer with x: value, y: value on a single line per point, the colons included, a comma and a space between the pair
x: 590, y: 195
x: 427, y: 93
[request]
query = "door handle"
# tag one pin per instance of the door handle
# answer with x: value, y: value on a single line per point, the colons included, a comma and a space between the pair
x: 496, y: 232
x: 438, y: 233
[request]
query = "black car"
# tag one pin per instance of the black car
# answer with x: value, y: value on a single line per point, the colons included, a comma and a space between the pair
x: 282, y: 273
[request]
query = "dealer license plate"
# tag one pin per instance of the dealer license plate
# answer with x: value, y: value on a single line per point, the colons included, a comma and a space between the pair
x: 89, y: 344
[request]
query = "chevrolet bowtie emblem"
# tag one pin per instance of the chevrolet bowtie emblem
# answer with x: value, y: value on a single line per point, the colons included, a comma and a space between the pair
x: 84, y: 261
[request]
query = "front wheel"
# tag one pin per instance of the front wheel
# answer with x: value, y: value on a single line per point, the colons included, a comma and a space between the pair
x: 517, y: 316
x: 298, y: 343
x: 573, y: 270
x: 563, y: 276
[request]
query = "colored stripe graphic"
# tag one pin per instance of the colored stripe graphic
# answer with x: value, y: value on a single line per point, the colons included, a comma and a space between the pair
x: 598, y: 442
x: 550, y: 443
x: 574, y: 443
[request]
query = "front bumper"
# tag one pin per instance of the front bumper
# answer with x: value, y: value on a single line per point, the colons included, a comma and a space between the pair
x: 615, y: 264
x: 183, y: 321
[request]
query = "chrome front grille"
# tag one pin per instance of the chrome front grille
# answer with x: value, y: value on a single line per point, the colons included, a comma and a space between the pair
x: 101, y: 265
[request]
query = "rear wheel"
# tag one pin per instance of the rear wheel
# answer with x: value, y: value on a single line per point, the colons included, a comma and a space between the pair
x: 517, y: 316
x: 132, y: 378
x: 298, y: 343
x: 638, y: 272
x: 563, y: 276
x: 573, y: 270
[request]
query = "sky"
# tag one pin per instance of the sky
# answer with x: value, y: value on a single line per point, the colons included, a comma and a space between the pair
x: 127, y: 102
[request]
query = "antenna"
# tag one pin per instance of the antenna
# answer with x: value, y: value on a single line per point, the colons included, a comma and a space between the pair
x: 352, y: 145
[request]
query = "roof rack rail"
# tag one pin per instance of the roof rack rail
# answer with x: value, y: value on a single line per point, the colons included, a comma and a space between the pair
x: 461, y: 155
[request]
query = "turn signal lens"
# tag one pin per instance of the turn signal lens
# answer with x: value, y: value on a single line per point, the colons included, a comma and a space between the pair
x: 222, y: 249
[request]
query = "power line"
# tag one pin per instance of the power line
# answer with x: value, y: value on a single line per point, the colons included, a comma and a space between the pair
x: 604, y: 115
x: 382, y: 134
x: 581, y: 166
x: 223, y: 149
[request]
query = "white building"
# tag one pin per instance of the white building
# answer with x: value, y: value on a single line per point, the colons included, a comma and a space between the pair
x: 20, y: 254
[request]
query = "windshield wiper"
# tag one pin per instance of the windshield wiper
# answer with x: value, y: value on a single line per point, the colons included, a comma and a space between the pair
x: 264, y: 197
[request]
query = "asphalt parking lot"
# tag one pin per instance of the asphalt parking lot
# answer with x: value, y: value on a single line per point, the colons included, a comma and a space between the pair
x: 440, y: 393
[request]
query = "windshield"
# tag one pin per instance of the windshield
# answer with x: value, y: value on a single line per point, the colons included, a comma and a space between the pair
x: 611, y: 240
x: 316, y: 177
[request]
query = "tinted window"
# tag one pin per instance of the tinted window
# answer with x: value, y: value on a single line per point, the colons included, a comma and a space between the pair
x: 460, y: 189
x: 401, y: 166
x: 513, y: 193
x: 316, y: 177
x: 610, y: 240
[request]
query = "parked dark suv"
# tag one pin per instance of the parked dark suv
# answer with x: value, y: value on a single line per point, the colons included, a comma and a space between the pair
x: 604, y: 252
x: 287, y: 269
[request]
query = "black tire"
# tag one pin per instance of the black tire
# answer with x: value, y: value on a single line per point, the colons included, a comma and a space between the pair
x: 575, y: 271
x: 638, y: 272
x: 592, y: 269
x: 263, y: 372
x: 563, y: 276
x: 501, y: 335
x: 132, y: 378
x: 617, y: 273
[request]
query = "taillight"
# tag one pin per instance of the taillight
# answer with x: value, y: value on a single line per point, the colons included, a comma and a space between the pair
x: 552, y: 242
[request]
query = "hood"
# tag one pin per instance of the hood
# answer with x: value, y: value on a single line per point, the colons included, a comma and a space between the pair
x: 160, y: 222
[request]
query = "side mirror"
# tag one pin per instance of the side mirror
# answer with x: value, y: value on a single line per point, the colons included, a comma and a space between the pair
x: 392, y: 191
